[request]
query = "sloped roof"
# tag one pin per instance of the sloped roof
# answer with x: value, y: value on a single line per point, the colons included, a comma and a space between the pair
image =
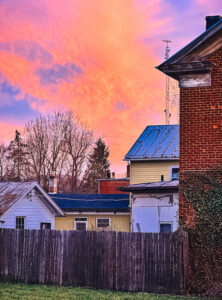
x: 92, y: 202
x: 11, y: 192
x: 156, y: 142
x: 194, y: 55
x: 171, y: 185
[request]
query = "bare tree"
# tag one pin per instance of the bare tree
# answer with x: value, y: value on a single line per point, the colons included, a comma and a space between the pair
x: 37, y: 141
x: 79, y: 141
x: 58, y: 142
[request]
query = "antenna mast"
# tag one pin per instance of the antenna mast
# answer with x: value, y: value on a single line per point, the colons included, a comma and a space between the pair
x: 167, y: 101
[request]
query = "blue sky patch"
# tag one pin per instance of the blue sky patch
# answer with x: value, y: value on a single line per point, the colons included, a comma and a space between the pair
x: 58, y: 73
x: 29, y: 50
x: 13, y: 107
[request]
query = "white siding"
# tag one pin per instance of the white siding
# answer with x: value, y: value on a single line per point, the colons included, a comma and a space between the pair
x: 149, y: 212
x: 33, y: 209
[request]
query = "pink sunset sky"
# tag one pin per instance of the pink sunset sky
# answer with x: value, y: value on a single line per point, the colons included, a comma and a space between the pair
x: 95, y: 57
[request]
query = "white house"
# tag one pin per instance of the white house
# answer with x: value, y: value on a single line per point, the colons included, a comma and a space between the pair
x: 154, y: 206
x: 25, y: 205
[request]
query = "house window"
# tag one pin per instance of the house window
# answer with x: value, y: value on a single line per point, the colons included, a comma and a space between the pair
x: 174, y: 172
x: 80, y: 224
x: 102, y: 222
x: 165, y: 227
x: 20, y: 222
x: 45, y: 225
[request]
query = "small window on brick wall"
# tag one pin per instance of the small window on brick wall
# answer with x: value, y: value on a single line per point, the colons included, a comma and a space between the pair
x: 103, y: 222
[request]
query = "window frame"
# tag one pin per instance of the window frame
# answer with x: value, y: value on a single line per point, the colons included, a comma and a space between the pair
x: 98, y: 227
x: 17, y: 217
x: 76, y: 221
x: 171, y: 171
x: 168, y: 223
x: 41, y: 223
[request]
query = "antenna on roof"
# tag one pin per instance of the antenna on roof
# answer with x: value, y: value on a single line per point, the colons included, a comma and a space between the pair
x: 166, y: 110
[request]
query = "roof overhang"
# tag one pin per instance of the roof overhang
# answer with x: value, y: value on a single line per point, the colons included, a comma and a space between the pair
x: 151, y: 159
x: 97, y: 210
x: 150, y: 188
x: 49, y: 202
x: 189, y: 65
x: 76, y: 212
x: 177, y: 70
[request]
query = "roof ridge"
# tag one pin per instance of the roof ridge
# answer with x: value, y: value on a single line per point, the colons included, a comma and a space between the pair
x: 189, y: 44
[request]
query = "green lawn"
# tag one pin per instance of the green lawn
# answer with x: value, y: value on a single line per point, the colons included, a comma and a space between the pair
x: 42, y: 292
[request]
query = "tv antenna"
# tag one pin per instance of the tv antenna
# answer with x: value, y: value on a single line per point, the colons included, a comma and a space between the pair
x: 167, y: 100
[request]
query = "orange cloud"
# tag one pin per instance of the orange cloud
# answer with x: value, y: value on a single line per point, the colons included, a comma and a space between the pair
x: 105, y: 39
x: 8, y: 131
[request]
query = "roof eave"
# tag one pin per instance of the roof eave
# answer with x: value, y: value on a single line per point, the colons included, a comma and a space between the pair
x: 149, y: 189
x: 192, y: 45
x: 176, y: 70
x: 51, y: 204
x: 152, y: 159
x: 97, y: 209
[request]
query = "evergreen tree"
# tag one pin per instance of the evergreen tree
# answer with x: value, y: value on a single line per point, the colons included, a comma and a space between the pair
x: 97, y: 167
x: 17, y: 163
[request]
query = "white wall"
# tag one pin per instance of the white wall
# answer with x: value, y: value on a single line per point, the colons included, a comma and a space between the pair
x: 150, y: 210
x: 33, y: 209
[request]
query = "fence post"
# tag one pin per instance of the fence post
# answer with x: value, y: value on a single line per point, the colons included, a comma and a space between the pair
x: 185, y: 259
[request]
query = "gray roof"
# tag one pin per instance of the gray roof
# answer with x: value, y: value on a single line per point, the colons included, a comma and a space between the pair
x: 11, y: 192
x: 152, y: 187
x: 156, y: 142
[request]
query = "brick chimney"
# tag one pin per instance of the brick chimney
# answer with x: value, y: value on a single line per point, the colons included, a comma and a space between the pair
x: 128, y: 171
x: 52, y: 182
x: 211, y: 20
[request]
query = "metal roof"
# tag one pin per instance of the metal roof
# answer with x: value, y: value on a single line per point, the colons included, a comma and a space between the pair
x: 92, y: 202
x: 11, y: 192
x: 171, y: 185
x: 156, y: 142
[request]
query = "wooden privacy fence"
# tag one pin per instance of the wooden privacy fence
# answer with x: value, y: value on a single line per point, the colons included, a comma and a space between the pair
x: 148, y: 262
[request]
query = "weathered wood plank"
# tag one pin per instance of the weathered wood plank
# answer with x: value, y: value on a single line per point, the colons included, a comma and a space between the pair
x: 148, y: 262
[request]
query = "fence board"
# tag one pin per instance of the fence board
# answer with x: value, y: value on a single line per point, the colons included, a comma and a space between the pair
x: 123, y: 261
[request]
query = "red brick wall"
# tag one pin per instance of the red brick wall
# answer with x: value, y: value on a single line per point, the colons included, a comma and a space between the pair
x: 110, y: 186
x: 201, y: 126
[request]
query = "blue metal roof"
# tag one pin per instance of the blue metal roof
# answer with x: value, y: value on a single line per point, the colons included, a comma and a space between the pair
x: 156, y: 142
x: 92, y: 202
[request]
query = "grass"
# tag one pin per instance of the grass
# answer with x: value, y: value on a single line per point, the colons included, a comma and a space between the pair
x: 10, y: 291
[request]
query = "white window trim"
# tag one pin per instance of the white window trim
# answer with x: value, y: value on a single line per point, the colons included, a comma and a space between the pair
x: 166, y: 222
x: 86, y: 222
x: 25, y: 221
x: 103, y: 218
x: 171, y: 168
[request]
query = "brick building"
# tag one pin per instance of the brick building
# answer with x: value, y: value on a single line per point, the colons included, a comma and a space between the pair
x: 198, y: 68
x: 111, y: 185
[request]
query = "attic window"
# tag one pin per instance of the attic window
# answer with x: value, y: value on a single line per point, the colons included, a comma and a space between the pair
x: 20, y: 222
